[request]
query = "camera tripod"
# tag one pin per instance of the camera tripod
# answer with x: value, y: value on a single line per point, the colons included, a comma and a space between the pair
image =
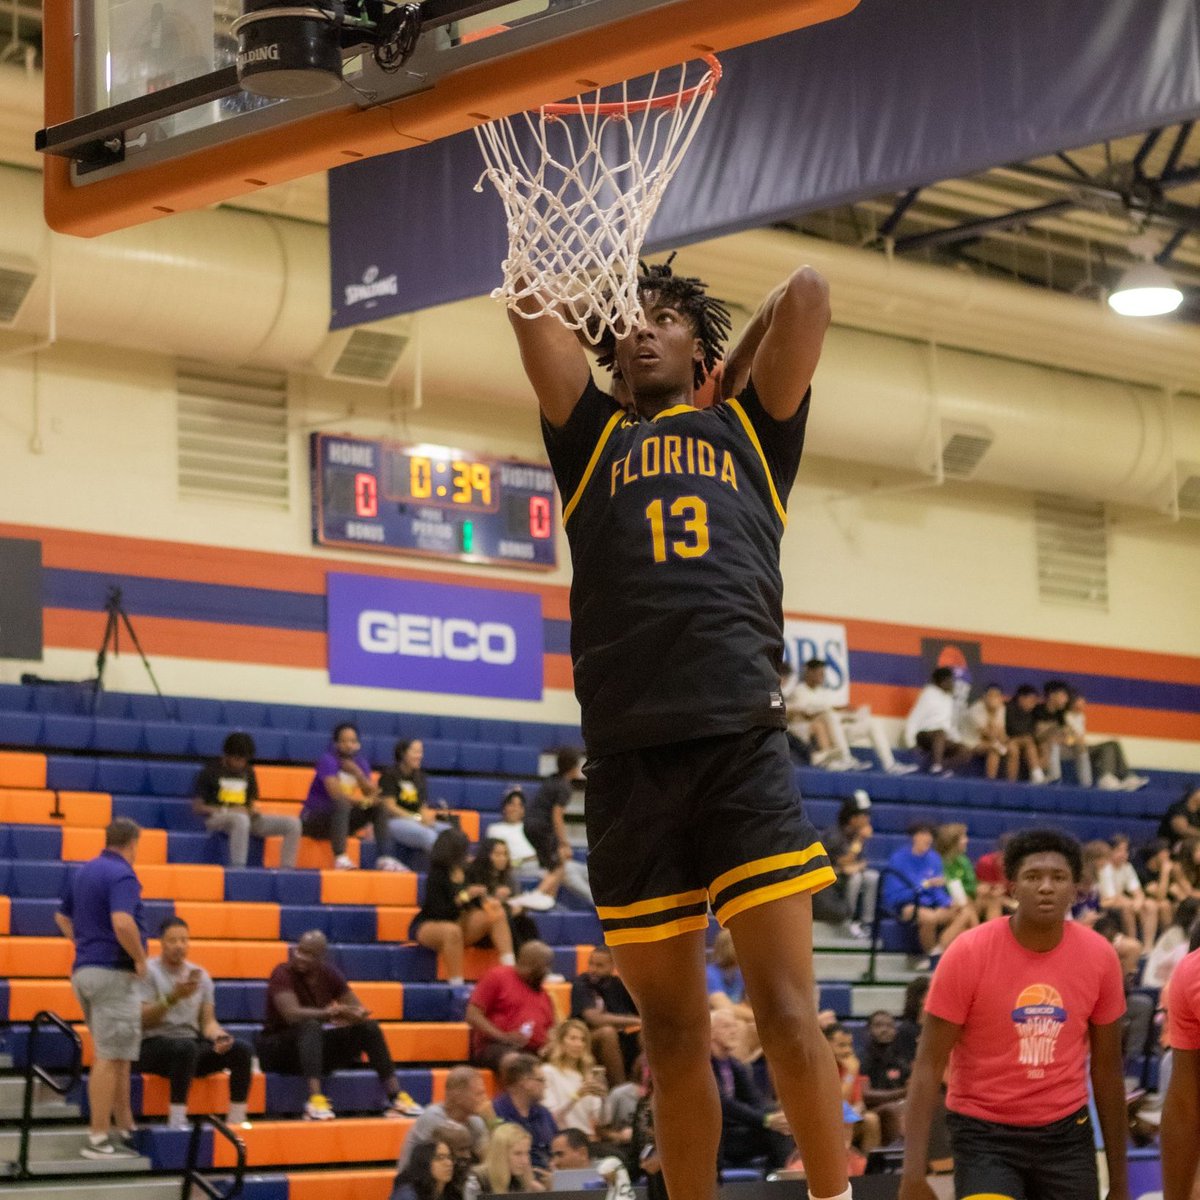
x: 117, y: 616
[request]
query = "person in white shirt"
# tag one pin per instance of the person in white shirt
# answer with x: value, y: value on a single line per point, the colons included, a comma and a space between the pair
x: 810, y: 707
x: 523, y: 856
x: 575, y: 1085
x: 983, y: 732
x: 1104, y: 761
x: 932, y: 725
x: 1121, y: 892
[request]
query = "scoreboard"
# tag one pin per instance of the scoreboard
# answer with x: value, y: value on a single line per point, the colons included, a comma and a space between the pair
x: 432, y: 500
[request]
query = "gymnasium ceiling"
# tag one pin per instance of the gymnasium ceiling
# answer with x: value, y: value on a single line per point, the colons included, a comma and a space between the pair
x: 1062, y: 222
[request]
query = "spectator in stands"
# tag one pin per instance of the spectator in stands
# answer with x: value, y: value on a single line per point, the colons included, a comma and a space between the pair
x: 853, y: 897
x: 1103, y: 761
x: 1054, y: 735
x: 546, y: 825
x: 1020, y: 724
x: 343, y: 798
x: 315, y: 1025
x: 523, y: 1079
x: 914, y: 889
x: 491, y: 868
x: 570, y: 1151
x: 1153, y: 865
x: 1171, y: 946
x: 1121, y: 892
x: 508, y: 1166
x: 801, y: 743
x: 749, y: 1129
x: 951, y: 841
x: 991, y: 886
x: 576, y: 1086
x: 1086, y: 908
x: 727, y: 990
x: 429, y: 1175
x: 225, y: 794
x: 181, y: 1037
x: 601, y: 1001
x: 405, y: 791
x: 912, y: 1016
x: 465, y: 1106
x: 1182, y: 819
x: 102, y: 914
x: 457, y: 914
x: 867, y: 1129
x: 511, y: 830
x: 1185, y: 873
x: 932, y: 724
x: 510, y: 1009
x: 887, y: 1064
x: 839, y: 727
x: 983, y: 732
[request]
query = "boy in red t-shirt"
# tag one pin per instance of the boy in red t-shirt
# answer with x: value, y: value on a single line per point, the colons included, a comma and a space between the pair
x: 1180, y: 1133
x: 1014, y: 1008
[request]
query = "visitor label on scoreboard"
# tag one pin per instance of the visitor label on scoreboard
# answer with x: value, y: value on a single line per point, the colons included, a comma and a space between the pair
x: 803, y: 640
x: 434, y: 501
x: 434, y: 637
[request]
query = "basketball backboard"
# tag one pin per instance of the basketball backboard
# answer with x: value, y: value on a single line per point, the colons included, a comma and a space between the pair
x: 146, y: 117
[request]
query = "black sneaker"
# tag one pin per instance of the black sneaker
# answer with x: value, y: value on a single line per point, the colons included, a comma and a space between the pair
x: 109, y: 1148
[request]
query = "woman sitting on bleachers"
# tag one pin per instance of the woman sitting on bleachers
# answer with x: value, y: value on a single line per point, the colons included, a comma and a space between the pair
x: 412, y: 822
x: 507, y: 1167
x: 457, y: 914
x: 430, y: 1175
x: 492, y: 867
x: 575, y: 1086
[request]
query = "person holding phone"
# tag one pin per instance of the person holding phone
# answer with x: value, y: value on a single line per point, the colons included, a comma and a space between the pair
x: 576, y: 1086
x: 181, y: 1037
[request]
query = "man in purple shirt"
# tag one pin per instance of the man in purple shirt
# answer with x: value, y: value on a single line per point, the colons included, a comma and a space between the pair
x: 343, y: 798
x: 102, y: 914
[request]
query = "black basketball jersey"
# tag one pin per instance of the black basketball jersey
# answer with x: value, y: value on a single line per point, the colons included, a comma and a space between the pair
x: 677, y: 599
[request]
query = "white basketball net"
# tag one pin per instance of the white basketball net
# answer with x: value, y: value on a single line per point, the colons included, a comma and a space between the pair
x: 580, y: 186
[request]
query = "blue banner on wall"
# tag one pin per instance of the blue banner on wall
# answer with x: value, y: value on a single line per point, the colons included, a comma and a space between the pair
x: 898, y: 94
x: 433, y: 637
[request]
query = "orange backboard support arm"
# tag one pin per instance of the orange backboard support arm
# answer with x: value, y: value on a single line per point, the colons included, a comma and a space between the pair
x: 502, y: 86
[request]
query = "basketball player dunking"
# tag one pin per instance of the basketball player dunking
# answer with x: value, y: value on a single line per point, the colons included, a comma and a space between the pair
x: 1015, y: 1006
x: 674, y: 517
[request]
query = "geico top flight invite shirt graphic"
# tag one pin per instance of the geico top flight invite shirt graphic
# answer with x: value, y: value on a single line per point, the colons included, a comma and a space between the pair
x: 1022, y: 1055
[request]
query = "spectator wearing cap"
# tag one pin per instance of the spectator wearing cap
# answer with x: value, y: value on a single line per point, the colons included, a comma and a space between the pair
x: 857, y: 888
x: 932, y: 724
x: 102, y: 914
x: 812, y: 700
x: 522, y: 853
x: 914, y: 889
x: 225, y: 795
x: 546, y: 826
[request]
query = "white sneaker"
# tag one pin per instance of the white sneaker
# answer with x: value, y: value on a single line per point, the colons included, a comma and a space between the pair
x: 1108, y: 783
x: 1132, y: 782
x: 899, y: 768
x: 1037, y: 775
x: 388, y: 863
x: 820, y: 757
x: 318, y: 1108
x: 839, y: 764
x: 535, y: 900
x: 343, y: 862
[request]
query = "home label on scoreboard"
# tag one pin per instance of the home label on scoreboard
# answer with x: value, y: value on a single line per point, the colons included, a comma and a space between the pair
x: 432, y: 500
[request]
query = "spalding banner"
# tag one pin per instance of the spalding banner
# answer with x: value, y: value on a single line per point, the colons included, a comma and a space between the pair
x: 432, y: 637
x: 803, y: 640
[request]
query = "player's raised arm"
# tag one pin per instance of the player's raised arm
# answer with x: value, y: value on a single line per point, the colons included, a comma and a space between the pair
x: 554, y: 362
x: 782, y: 344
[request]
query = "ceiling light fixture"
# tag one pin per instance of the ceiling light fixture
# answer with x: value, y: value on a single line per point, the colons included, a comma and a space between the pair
x: 1146, y: 289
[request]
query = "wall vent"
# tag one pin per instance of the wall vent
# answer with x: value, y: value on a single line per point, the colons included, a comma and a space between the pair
x: 368, y: 354
x: 1072, y: 551
x: 963, y: 448
x: 16, y: 281
x: 232, y: 434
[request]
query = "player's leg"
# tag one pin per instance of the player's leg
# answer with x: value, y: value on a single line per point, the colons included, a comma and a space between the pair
x: 986, y: 1165
x: 774, y: 950
x: 667, y: 982
x: 1061, y: 1160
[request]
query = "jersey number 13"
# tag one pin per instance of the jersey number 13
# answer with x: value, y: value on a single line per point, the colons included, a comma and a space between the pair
x: 694, y: 543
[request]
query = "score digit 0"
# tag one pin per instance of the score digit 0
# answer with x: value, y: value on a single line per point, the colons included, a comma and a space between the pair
x: 366, y: 495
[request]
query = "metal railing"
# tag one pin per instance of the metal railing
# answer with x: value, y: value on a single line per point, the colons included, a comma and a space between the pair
x: 191, y: 1173
x: 34, y: 1072
x: 881, y: 914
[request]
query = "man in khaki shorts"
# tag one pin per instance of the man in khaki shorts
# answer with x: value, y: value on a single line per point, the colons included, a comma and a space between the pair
x: 102, y: 914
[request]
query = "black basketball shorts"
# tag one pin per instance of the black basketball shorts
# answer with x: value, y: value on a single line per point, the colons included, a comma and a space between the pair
x: 672, y: 829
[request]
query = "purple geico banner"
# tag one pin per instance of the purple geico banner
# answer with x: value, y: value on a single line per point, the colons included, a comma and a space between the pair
x: 432, y: 637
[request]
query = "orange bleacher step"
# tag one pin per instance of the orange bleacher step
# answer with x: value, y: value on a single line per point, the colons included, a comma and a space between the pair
x: 91, y: 810
x: 346, y: 1140
x: 392, y: 923
x: 20, y: 769
x: 427, y: 1041
x: 313, y: 855
x: 368, y: 887
x: 27, y: 997
x: 361, y: 1184
x: 5, y: 915
x: 32, y: 957
x: 283, y: 783
x: 209, y: 1094
x: 384, y: 1001
x: 237, y: 920
x: 80, y: 845
x: 182, y: 881
x: 233, y: 959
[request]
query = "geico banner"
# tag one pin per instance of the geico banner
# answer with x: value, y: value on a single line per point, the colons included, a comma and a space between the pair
x: 431, y: 637
x: 803, y: 640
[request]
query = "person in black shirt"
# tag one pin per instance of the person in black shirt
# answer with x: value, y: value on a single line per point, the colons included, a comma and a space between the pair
x: 456, y: 913
x: 1052, y: 732
x: 674, y: 516
x: 405, y: 790
x: 602, y: 1002
x: 224, y: 794
x: 492, y: 867
x: 546, y: 826
x: 887, y: 1063
x: 1182, y: 819
x: 1020, y: 726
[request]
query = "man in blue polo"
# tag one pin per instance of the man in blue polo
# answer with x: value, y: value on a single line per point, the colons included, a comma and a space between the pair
x: 102, y: 914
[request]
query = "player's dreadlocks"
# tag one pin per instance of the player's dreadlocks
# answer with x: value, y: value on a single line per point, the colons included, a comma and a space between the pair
x: 709, y: 317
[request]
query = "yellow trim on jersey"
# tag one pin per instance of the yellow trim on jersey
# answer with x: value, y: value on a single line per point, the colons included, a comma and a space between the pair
x: 764, y: 866
x: 749, y: 428
x: 643, y: 908
x: 674, y: 411
x: 616, y: 418
x: 988, y: 1196
x: 656, y: 933
x: 812, y: 882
